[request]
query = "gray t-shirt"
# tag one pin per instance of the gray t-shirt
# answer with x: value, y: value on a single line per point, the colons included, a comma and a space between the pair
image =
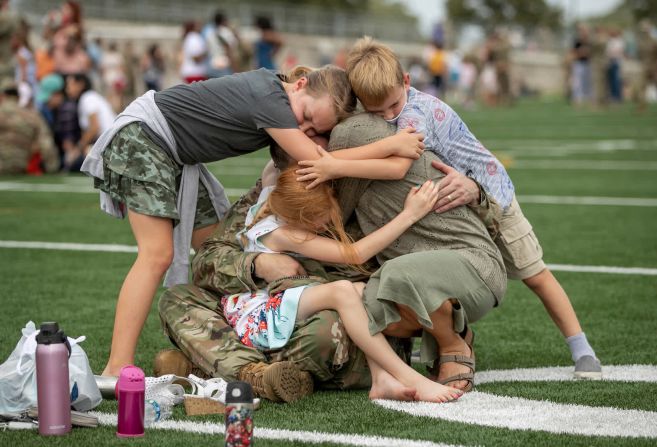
x: 225, y: 117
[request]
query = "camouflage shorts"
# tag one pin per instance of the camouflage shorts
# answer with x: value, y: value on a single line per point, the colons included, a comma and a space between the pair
x: 143, y: 177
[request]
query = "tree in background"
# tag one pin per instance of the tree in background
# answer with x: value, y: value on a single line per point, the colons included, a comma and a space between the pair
x: 490, y: 14
x: 642, y: 9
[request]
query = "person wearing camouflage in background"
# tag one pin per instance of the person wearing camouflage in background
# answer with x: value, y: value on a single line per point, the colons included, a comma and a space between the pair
x: 23, y: 135
x: 599, y: 65
x: 8, y: 25
x: 647, y: 54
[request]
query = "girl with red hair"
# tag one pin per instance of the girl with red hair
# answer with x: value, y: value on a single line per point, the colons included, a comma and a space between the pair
x: 307, y: 222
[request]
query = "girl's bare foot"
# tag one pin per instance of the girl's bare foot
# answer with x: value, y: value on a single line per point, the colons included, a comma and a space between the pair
x: 386, y: 386
x: 430, y: 391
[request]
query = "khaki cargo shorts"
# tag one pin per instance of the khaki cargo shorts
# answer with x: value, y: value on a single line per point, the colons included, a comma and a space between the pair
x: 521, y: 251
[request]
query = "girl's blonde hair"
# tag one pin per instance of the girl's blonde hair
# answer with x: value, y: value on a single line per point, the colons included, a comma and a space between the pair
x: 329, y: 80
x: 299, y: 207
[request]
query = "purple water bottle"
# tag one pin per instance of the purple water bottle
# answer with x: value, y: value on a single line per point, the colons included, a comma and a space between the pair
x: 130, y: 390
x: 53, y: 392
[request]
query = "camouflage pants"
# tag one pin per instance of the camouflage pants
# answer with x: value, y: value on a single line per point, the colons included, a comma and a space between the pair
x: 146, y: 179
x: 193, y: 320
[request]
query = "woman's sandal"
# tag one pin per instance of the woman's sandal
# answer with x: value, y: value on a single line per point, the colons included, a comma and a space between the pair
x: 468, y: 361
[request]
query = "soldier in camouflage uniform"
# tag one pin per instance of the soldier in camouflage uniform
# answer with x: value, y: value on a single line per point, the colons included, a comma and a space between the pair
x: 192, y: 318
x: 647, y: 54
x: 23, y: 134
x: 8, y: 25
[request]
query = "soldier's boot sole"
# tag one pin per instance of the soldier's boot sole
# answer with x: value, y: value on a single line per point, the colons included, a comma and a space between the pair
x: 287, y: 382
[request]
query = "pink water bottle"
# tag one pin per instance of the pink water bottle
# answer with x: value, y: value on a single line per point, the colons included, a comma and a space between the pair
x: 53, y: 392
x: 130, y: 390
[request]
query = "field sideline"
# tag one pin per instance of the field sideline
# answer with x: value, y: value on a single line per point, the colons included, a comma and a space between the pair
x: 587, y: 181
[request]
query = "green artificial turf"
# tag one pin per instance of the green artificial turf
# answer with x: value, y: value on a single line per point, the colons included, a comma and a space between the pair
x: 618, y: 312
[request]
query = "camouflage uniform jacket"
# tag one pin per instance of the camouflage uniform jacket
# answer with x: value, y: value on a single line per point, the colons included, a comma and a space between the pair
x: 8, y: 23
x: 221, y: 266
x: 22, y: 134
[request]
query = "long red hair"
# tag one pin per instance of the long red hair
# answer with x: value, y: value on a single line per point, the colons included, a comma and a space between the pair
x: 304, y: 208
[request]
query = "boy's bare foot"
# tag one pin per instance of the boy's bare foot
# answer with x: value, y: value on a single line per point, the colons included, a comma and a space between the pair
x: 386, y: 386
x: 430, y: 391
x: 450, y: 369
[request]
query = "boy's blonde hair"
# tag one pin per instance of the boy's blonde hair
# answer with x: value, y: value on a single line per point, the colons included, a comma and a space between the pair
x: 330, y: 80
x: 373, y: 70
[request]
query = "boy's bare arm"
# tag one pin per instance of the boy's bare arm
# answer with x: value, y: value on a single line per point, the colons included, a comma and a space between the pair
x: 406, y: 143
x: 300, y: 147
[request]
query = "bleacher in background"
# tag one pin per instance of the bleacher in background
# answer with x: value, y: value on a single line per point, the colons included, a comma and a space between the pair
x: 288, y: 18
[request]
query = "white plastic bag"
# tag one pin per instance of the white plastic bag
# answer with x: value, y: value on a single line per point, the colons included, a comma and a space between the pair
x: 18, y: 389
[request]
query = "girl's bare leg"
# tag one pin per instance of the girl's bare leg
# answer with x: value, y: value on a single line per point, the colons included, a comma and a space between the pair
x: 154, y: 237
x: 346, y: 299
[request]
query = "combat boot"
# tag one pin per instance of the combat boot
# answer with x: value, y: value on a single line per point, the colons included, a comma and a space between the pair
x: 278, y: 382
x: 173, y: 361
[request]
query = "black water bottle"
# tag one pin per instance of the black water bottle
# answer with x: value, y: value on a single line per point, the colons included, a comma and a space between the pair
x: 239, y: 414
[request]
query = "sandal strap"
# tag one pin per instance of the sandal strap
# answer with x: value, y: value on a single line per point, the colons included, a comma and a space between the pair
x: 468, y: 377
x: 461, y: 359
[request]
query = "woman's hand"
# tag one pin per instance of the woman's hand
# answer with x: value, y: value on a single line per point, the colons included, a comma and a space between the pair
x: 407, y: 143
x: 326, y: 167
x: 421, y: 200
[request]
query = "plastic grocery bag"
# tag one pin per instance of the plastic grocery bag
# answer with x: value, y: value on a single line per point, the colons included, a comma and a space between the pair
x: 18, y: 390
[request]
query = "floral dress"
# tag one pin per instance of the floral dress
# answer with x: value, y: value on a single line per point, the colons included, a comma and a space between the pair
x: 261, y: 321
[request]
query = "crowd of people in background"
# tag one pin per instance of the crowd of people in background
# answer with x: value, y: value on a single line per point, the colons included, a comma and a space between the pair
x: 78, y: 85
x: 594, y: 65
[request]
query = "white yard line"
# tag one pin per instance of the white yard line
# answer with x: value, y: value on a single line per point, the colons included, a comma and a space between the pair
x: 482, y: 409
x: 297, y: 436
x: 584, y: 200
x: 516, y: 413
x: 603, y: 269
x: 73, y: 187
x: 236, y: 192
x: 584, y: 165
x: 568, y: 146
x: 68, y: 246
x: 117, y: 248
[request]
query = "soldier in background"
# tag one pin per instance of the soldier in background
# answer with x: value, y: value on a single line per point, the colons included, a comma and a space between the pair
x: 647, y: 49
x: 26, y: 144
x: 8, y: 25
x: 599, y: 66
x: 502, y: 57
